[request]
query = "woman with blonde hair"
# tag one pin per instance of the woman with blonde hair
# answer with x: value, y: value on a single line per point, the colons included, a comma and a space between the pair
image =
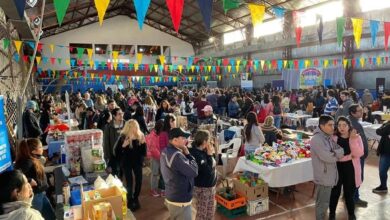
x: 271, y: 133
x: 131, y: 149
x: 100, y: 104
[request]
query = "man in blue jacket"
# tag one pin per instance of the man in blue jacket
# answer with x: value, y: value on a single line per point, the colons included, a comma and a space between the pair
x: 178, y: 169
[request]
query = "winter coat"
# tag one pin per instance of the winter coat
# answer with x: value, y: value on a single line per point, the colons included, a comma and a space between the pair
x: 20, y: 211
x: 384, y: 143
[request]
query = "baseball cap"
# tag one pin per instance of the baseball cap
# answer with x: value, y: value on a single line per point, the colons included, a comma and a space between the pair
x: 177, y: 132
x: 207, y: 108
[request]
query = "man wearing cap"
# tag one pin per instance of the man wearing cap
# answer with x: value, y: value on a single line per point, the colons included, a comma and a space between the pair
x: 31, y: 127
x: 209, y: 117
x: 178, y: 169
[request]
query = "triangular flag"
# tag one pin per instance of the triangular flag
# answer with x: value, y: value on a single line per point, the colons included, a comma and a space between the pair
x: 61, y: 6
x: 139, y: 58
x: 278, y: 11
x: 387, y: 34
x: 237, y: 69
x: 284, y: 63
x: 135, y: 67
x: 298, y: 34
x: 257, y: 13
x: 175, y: 8
x: 229, y: 68
x: 206, y: 8
x: 155, y: 68
x: 6, y: 43
x: 18, y: 45
x: 52, y: 48
x: 262, y: 62
x: 101, y: 7
x: 180, y: 67
x: 374, y: 26
x: 345, y: 63
x: 31, y: 44
x: 59, y: 60
x: 230, y: 4
x: 115, y: 55
x: 326, y: 63
x: 67, y: 61
x: 162, y: 59
x: 16, y: 57
x: 362, y: 61
x: 209, y: 68
x: 38, y: 59
x: 90, y: 51
x: 320, y: 28
x: 357, y: 24
x: 141, y: 7
x: 340, y: 29
x: 80, y: 52
x: 378, y: 60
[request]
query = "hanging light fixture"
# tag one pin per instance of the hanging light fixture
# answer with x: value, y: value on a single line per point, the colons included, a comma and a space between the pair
x: 31, y: 3
x: 37, y: 21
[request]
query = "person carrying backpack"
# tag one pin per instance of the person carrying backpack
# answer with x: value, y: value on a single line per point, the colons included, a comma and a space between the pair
x: 276, y: 110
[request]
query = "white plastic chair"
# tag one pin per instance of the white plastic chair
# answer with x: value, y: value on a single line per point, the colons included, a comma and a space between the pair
x: 232, y: 149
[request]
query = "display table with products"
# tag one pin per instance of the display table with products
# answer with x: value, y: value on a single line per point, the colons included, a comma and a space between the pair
x: 287, y: 174
x: 294, y: 118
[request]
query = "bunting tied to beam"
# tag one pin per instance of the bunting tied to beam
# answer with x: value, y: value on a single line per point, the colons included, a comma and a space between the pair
x: 61, y: 6
x: 257, y: 13
x: 357, y: 24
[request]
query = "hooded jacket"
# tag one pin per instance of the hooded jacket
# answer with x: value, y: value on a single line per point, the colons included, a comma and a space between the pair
x: 324, y: 154
x: 344, y: 110
x: 20, y: 211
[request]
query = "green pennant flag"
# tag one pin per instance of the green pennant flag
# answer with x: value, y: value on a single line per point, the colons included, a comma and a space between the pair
x: 6, y: 43
x: 244, y: 62
x: 170, y: 68
x: 61, y: 6
x: 340, y: 29
x: 290, y: 64
x: 219, y: 62
x: 103, y: 64
x: 151, y: 67
x: 80, y: 52
x: 230, y: 4
x: 59, y: 60
x: 31, y: 58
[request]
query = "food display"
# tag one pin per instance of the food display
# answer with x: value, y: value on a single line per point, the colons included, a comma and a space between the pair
x: 84, y: 149
x: 281, y: 152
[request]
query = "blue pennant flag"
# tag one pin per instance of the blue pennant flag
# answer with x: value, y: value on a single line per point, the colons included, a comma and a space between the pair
x: 31, y: 44
x: 213, y: 69
x: 16, y: 57
x: 357, y: 63
x: 279, y: 12
x: 280, y: 64
x: 301, y: 64
x: 374, y: 26
x: 39, y: 71
x: 141, y: 7
x: 190, y: 61
x: 232, y: 62
x: 45, y: 60
x: 206, y: 8
x: 120, y: 66
x: 197, y: 68
x: 72, y: 62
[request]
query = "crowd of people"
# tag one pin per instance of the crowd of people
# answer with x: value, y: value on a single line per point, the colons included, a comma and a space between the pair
x: 139, y: 124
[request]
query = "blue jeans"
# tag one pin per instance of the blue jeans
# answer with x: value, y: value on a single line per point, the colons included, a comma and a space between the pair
x: 384, y: 165
x: 277, y: 120
x: 357, y: 195
x: 221, y: 111
x: 42, y: 204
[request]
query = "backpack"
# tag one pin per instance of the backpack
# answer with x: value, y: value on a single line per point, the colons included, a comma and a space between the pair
x: 153, y: 145
x: 277, y: 110
x: 187, y: 108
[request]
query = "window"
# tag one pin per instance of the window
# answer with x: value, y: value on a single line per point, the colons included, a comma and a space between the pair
x: 234, y: 36
x: 268, y: 28
x: 371, y: 5
x: 329, y: 11
x: 149, y: 50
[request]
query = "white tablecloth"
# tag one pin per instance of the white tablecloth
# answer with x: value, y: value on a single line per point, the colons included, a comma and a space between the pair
x: 312, y: 122
x: 288, y: 174
x: 370, y: 131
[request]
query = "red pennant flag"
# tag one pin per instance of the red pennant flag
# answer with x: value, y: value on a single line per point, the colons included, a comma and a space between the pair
x: 196, y: 59
x: 334, y: 62
x: 274, y: 64
x: 353, y: 63
x: 387, y: 59
x: 71, y: 49
x: 100, y: 75
x: 370, y: 60
x: 387, y: 34
x: 25, y: 58
x: 79, y: 62
x: 52, y: 60
x: 183, y: 78
x: 250, y: 63
x: 39, y: 48
x: 316, y: 63
x: 225, y: 62
x: 109, y: 65
x: 175, y: 7
x: 218, y: 69
x: 298, y: 34
x: 296, y: 64
x: 201, y: 68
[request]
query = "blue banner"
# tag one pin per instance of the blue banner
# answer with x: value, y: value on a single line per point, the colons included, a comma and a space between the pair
x: 5, y: 149
x: 206, y: 8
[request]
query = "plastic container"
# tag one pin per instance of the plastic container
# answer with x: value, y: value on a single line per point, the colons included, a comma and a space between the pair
x: 231, y: 213
x: 257, y: 206
x: 233, y: 204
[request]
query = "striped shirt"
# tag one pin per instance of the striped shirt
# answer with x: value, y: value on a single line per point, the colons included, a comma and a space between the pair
x: 331, y: 106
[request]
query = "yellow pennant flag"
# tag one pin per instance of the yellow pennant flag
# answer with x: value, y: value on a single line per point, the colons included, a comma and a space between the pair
x: 162, y: 59
x: 257, y: 13
x: 345, y: 63
x: 101, y: 7
x: 175, y: 79
x: 229, y: 69
x: 285, y: 63
x: 190, y: 78
x: 115, y: 55
x: 91, y: 64
x: 237, y: 68
x: 206, y: 78
x: 135, y: 67
x: 116, y: 77
x: 52, y: 48
x: 307, y: 62
x: 92, y: 75
x: 75, y: 74
x: 378, y: 61
x: 254, y: 67
x: 18, y: 45
x: 67, y: 73
x: 139, y: 58
x: 238, y: 62
x: 362, y: 61
x: 326, y: 63
x: 262, y: 62
x: 192, y: 68
x: 209, y: 68
x: 220, y: 77
x: 357, y: 24
x: 38, y: 59
x: 89, y: 50
x: 155, y: 67
x: 115, y: 64
x: 180, y: 67
x: 67, y: 61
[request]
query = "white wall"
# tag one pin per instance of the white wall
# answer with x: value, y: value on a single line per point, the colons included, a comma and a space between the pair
x: 120, y: 30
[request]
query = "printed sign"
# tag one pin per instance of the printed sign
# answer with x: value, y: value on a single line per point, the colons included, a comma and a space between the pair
x: 5, y: 150
x: 310, y: 77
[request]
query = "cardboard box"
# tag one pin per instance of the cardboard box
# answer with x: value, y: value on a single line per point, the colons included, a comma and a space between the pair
x: 257, y: 206
x: 111, y: 195
x: 251, y: 193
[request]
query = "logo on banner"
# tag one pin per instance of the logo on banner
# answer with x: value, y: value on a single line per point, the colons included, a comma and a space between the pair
x: 5, y: 150
x: 310, y: 77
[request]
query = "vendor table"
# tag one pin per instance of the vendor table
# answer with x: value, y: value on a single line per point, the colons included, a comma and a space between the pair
x: 54, y: 147
x: 293, y: 118
x: 288, y: 174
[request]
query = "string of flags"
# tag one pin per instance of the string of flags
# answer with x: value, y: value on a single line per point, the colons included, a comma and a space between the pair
x: 257, y: 12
